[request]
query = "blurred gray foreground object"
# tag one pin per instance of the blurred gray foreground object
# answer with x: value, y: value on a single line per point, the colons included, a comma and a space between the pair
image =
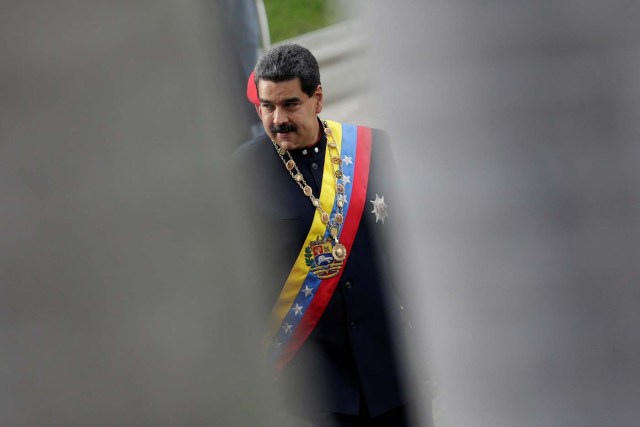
x: 120, y: 297
x: 516, y: 128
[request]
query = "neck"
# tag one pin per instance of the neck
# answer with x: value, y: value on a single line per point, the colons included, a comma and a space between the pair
x: 319, y: 138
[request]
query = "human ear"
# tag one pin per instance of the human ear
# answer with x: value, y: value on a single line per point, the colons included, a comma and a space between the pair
x: 319, y: 97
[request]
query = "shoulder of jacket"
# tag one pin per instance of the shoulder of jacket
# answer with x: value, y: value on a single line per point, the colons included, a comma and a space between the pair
x: 251, y: 150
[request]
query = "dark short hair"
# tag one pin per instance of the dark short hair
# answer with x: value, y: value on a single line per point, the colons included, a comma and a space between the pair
x: 287, y: 62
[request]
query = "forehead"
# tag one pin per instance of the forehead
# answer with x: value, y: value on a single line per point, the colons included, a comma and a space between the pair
x: 275, y: 91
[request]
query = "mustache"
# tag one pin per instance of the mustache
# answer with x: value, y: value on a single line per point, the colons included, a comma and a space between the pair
x: 283, y: 128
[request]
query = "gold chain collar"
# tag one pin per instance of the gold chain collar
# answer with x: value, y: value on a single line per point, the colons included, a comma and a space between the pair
x: 333, y: 224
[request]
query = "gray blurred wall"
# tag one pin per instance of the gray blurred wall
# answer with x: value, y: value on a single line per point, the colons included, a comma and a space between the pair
x: 121, y: 298
x: 516, y: 128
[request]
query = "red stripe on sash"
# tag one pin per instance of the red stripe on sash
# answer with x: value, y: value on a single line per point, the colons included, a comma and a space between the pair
x: 347, y: 236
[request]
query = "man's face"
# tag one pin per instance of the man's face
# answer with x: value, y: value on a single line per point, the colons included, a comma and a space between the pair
x: 288, y: 114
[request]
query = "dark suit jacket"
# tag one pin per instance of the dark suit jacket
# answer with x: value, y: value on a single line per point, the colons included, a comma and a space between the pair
x: 351, y: 350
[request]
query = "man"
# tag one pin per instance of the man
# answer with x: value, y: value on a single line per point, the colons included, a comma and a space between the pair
x: 322, y: 190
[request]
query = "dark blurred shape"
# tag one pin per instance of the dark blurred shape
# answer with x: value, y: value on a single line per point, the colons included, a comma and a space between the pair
x: 516, y: 126
x: 244, y: 31
x: 243, y: 28
x: 120, y: 294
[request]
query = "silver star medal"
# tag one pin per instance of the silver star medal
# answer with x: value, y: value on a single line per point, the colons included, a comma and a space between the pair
x: 379, y: 208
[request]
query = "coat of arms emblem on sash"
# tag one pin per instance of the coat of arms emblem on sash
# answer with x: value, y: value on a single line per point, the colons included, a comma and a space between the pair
x: 321, y: 260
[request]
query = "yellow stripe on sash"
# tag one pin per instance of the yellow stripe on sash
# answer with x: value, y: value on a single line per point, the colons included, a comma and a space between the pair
x: 300, y: 269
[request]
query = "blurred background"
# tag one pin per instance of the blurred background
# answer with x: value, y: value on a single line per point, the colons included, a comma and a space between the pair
x: 516, y: 130
x: 121, y: 292
x: 123, y: 282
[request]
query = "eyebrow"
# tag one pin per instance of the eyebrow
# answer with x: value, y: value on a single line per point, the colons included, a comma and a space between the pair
x: 286, y: 101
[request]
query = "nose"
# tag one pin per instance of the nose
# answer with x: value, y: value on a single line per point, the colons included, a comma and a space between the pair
x: 279, y: 116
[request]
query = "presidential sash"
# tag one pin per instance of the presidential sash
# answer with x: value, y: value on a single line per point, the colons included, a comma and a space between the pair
x: 315, y: 273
